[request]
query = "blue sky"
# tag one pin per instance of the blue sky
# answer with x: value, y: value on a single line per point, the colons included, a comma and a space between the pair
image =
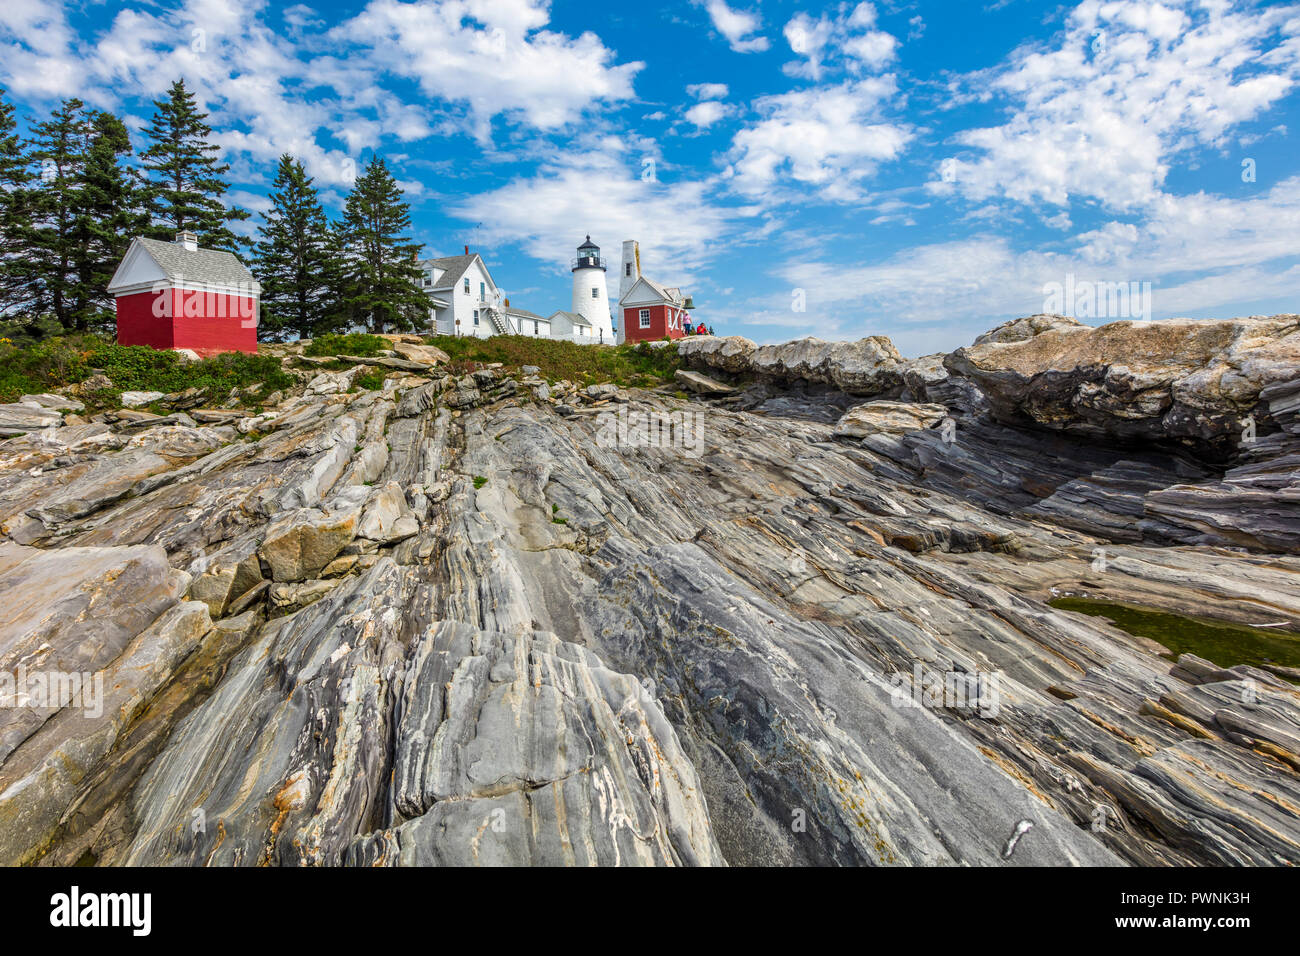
x: 921, y: 170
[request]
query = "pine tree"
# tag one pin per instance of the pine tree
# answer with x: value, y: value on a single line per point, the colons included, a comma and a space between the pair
x: 45, y: 242
x: 295, y: 261
x: 80, y: 215
x: 109, y: 217
x: 186, y: 183
x: 14, y: 176
x: 380, y: 271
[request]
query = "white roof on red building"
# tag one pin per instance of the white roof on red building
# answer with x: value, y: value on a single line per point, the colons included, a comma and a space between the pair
x: 646, y: 291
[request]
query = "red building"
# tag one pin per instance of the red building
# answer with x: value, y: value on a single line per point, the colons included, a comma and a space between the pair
x: 651, y: 312
x: 174, y: 295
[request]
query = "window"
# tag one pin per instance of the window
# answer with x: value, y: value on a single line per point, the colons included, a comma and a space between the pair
x: 476, y: 316
x: 645, y: 318
x: 535, y: 332
x: 467, y: 286
x: 595, y: 293
x: 627, y: 268
x: 482, y: 291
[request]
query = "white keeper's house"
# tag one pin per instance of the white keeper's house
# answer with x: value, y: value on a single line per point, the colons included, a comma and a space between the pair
x: 463, y: 299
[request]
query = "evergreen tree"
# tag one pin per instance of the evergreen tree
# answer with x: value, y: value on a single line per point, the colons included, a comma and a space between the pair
x: 109, y: 216
x: 379, y: 265
x: 80, y: 215
x: 186, y: 183
x: 45, y: 241
x: 295, y: 261
x: 14, y: 176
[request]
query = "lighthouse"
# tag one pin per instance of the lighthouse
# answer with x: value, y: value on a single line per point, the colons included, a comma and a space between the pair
x: 590, y: 298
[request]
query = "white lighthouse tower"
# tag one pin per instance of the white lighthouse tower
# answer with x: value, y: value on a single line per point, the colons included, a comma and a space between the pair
x: 590, y: 296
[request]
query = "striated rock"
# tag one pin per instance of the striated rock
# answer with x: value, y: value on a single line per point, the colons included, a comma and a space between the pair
x: 1020, y: 330
x: 387, y: 517
x: 421, y: 354
x: 299, y: 545
x: 294, y: 596
x: 60, y: 403
x: 869, y: 366
x: 751, y: 643
x: 25, y: 416
x: 888, y: 417
x: 729, y: 353
x: 540, y: 754
x: 137, y: 399
x: 1183, y: 380
x: 701, y: 384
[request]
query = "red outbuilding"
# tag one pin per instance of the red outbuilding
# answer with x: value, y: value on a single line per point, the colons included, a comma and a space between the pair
x: 651, y: 312
x: 174, y: 295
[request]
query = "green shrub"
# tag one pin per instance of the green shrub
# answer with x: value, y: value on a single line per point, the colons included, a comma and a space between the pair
x: 140, y: 368
x: 479, y: 481
x: 634, y: 365
x: 59, y: 361
x: 360, y: 344
x: 40, y: 367
x: 371, y: 381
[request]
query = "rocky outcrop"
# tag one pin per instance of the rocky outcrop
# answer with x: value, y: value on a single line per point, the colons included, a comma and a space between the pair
x: 1023, y: 329
x: 888, y: 418
x: 868, y: 366
x: 451, y: 621
x: 701, y: 384
x: 1188, y: 381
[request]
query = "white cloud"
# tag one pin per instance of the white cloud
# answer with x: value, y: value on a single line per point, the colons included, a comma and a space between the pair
x: 473, y: 59
x: 1203, y: 255
x: 1130, y: 85
x: 829, y: 137
x: 847, y: 40
x: 707, y: 91
x: 492, y: 55
x: 704, y: 115
x: 602, y: 193
x: 737, y: 26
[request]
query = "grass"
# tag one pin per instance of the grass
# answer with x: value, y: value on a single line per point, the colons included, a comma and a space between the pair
x: 371, y: 381
x: 1224, y: 643
x: 56, y: 362
x: 360, y: 344
x: 479, y: 481
x: 624, y: 365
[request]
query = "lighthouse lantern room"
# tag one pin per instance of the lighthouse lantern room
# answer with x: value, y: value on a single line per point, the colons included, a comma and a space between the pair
x: 590, y: 295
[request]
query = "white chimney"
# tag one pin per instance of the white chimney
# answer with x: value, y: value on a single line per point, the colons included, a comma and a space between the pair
x: 188, y: 240
x: 630, y: 269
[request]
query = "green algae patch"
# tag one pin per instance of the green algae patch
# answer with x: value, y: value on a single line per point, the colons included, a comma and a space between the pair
x: 1222, y: 642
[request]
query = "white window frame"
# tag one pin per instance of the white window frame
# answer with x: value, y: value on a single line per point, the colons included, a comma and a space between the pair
x: 476, y: 316
x: 645, y: 318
